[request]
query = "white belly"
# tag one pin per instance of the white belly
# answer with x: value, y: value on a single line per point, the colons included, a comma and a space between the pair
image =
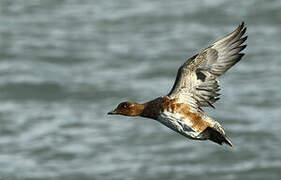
x: 179, y: 124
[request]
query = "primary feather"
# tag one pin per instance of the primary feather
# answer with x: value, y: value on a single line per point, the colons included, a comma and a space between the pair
x: 197, y: 79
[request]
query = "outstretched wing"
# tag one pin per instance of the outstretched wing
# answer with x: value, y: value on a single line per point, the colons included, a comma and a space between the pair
x: 196, y: 82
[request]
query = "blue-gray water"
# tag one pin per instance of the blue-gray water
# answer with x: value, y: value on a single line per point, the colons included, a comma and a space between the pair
x: 64, y: 64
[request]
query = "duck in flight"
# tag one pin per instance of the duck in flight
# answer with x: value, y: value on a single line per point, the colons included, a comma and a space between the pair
x: 196, y: 86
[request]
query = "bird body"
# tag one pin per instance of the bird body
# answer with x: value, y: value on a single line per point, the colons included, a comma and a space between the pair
x: 196, y: 86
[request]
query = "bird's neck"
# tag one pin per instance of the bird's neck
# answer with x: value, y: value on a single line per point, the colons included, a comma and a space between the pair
x: 152, y: 108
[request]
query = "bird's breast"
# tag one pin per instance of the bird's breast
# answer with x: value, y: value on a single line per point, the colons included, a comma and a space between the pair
x: 177, y: 123
x: 175, y: 115
x: 179, y: 118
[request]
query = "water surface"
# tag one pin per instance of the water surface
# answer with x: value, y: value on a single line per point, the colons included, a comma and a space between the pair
x: 65, y: 64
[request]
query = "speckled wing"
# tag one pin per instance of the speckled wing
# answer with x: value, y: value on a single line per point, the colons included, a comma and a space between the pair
x: 196, y: 82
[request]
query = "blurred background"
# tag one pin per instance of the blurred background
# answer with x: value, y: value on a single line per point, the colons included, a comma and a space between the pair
x: 65, y: 63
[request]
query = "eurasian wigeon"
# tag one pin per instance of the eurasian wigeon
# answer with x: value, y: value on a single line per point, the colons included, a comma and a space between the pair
x: 196, y: 86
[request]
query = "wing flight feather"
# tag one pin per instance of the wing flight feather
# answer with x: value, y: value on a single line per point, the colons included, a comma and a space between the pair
x: 198, y: 76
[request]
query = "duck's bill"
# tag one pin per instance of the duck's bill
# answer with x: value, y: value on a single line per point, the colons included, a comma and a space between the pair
x: 112, y: 112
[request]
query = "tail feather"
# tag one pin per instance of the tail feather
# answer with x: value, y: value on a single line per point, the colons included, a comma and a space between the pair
x: 227, y: 141
x: 217, y: 136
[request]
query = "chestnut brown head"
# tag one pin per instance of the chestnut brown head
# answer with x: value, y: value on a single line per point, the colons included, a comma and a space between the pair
x: 128, y: 109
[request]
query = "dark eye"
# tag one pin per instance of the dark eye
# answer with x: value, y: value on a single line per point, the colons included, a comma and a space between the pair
x: 125, y: 106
